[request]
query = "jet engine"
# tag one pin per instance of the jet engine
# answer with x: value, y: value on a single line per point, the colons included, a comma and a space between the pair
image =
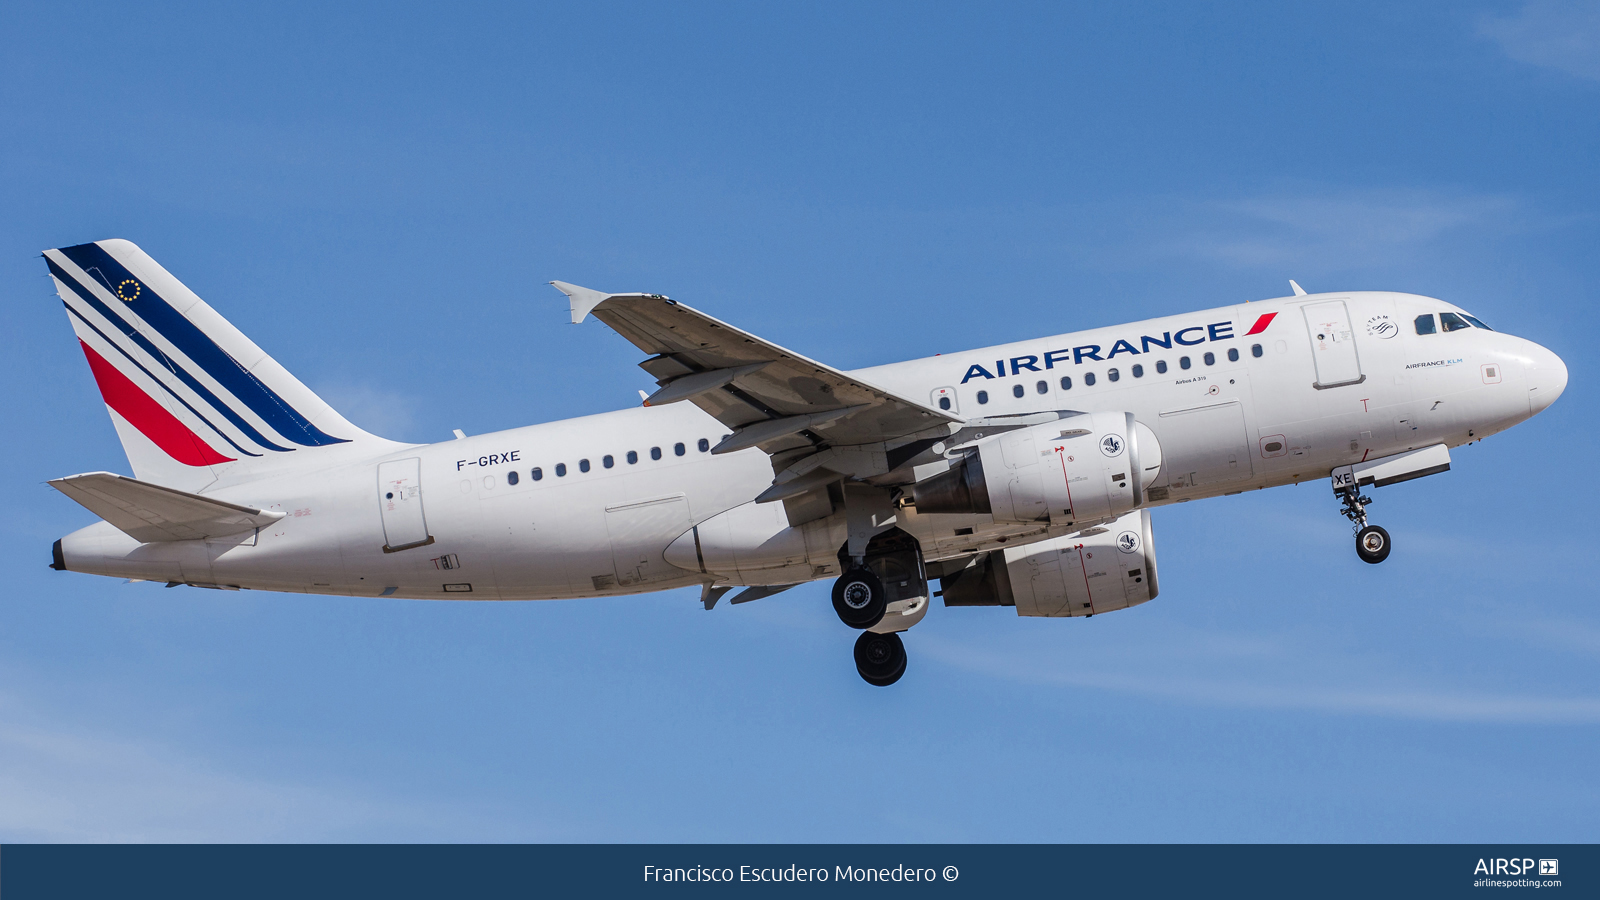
x: 1081, y: 471
x: 1096, y: 571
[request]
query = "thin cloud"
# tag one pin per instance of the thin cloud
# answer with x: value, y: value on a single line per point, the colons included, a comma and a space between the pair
x: 1564, y: 36
x: 61, y: 784
x: 1388, y: 701
x: 384, y: 413
x: 1354, y: 228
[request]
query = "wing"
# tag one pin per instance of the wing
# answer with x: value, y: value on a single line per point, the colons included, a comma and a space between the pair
x: 817, y: 423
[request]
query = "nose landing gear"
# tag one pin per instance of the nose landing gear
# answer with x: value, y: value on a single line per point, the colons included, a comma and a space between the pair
x: 1372, y: 542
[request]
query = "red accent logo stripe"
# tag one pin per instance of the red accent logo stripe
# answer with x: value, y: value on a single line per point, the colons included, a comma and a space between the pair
x: 145, y: 414
x: 1261, y: 324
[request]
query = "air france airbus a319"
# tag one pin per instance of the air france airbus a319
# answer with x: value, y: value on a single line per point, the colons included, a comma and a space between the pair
x: 1021, y: 475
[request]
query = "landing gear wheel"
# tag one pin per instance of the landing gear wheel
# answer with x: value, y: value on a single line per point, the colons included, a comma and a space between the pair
x: 859, y: 599
x: 880, y: 658
x: 1372, y: 544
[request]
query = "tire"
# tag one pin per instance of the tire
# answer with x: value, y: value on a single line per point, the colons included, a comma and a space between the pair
x: 1373, y: 544
x: 880, y: 658
x: 859, y: 599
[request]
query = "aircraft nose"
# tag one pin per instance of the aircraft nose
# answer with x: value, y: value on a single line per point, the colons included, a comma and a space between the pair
x: 1547, y: 378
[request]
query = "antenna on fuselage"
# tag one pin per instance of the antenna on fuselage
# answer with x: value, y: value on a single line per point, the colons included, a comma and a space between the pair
x: 1298, y: 290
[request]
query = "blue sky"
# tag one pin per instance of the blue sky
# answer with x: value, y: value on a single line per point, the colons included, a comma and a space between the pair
x: 378, y: 195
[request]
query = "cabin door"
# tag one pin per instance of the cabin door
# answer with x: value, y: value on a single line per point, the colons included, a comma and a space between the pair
x: 400, y: 502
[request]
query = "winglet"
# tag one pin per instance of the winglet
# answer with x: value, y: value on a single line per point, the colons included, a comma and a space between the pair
x: 583, y: 299
x: 1298, y: 292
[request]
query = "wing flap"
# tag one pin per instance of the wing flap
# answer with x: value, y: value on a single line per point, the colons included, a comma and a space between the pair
x: 150, y: 513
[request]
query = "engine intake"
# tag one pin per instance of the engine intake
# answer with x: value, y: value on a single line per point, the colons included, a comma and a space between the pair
x: 1077, y: 471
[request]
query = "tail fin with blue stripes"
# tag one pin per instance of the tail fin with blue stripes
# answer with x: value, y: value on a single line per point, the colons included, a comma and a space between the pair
x: 192, y: 398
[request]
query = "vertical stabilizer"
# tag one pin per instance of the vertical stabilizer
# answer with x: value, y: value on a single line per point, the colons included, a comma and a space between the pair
x: 192, y: 398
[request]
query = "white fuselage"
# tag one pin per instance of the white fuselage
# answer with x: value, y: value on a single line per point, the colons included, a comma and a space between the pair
x: 1226, y: 426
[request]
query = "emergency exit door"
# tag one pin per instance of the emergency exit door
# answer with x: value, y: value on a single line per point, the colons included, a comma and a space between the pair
x: 400, y: 501
x: 1333, y: 344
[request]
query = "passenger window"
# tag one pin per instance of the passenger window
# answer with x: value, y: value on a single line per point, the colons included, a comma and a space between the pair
x: 1452, y: 322
x: 1425, y: 324
x: 1113, y: 375
x: 703, y: 445
x: 1066, y: 382
x: 1016, y: 391
x: 1183, y: 362
x: 655, y: 452
x: 1255, y: 350
x: 583, y: 465
x: 944, y: 402
x: 561, y: 470
x: 677, y: 449
x: 607, y: 461
x: 512, y: 477
x: 633, y: 457
x: 1161, y: 366
x: 1042, y: 387
x: 1233, y: 354
x: 983, y: 397
x: 538, y: 474
x: 1477, y: 322
x: 1088, y: 379
x: 1138, y: 370
x: 1211, y: 358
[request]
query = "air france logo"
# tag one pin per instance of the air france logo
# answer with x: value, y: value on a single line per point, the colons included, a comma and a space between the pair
x: 1111, y: 445
x: 1381, y: 327
x: 1077, y: 356
x: 1128, y: 542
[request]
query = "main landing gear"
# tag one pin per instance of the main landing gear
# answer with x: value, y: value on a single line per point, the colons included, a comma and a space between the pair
x: 859, y: 598
x: 880, y: 658
x: 882, y: 592
x: 1372, y: 542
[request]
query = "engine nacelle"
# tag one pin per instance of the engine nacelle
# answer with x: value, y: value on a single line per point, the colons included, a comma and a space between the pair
x: 1107, y: 569
x: 1078, y: 471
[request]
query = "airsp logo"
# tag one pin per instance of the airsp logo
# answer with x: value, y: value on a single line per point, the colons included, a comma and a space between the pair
x: 1381, y: 327
x: 1111, y: 445
x: 1128, y: 542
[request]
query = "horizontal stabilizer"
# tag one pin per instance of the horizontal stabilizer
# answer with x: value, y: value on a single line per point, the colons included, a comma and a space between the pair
x: 149, y: 513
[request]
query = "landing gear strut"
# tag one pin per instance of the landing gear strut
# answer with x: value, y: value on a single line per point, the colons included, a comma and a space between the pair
x: 1372, y: 542
x: 880, y: 658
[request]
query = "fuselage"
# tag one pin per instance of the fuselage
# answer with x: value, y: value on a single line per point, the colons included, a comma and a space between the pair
x: 1241, y: 398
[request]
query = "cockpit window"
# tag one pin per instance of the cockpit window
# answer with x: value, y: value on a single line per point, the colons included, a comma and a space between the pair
x: 1425, y: 324
x: 1452, y: 322
x: 1476, y: 322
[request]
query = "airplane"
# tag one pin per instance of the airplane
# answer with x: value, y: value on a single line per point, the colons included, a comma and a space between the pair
x: 1020, y: 475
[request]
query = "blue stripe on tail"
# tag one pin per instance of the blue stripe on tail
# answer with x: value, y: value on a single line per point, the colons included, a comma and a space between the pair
x: 194, y: 343
x: 166, y: 361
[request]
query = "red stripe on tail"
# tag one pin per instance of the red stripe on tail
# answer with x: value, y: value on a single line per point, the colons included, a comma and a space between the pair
x: 1260, y: 325
x: 145, y: 414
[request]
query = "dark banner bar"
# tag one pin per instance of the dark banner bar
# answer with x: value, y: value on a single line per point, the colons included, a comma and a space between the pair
x: 663, y: 870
